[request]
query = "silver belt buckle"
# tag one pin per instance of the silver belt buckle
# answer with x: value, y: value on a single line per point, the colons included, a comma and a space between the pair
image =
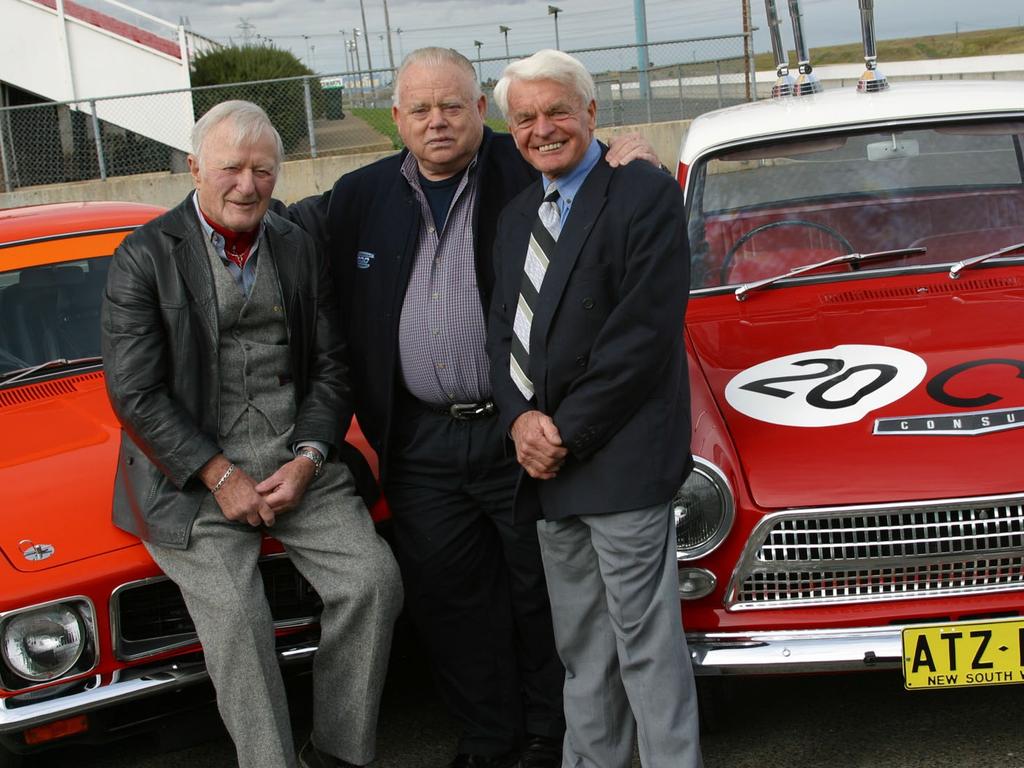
x: 468, y: 411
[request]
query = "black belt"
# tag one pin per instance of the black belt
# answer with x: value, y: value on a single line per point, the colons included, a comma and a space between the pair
x: 464, y: 411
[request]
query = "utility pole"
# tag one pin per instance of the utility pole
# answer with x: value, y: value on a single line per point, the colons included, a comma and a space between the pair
x: 640, y: 22
x: 344, y: 45
x: 387, y: 28
x: 247, y: 30
x: 504, y: 30
x: 553, y: 11
x: 401, y: 53
x: 479, y: 72
x: 366, y: 42
x: 746, y: 44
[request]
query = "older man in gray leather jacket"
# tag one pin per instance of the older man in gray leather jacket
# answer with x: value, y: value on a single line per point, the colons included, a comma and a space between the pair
x: 228, y: 373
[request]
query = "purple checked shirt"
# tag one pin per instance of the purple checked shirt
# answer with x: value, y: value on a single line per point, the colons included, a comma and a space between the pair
x: 441, y: 335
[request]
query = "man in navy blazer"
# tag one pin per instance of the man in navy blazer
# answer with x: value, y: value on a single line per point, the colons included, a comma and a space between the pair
x: 589, y: 375
x: 409, y: 239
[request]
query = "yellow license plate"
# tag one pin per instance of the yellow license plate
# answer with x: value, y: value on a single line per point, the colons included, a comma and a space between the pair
x: 963, y: 655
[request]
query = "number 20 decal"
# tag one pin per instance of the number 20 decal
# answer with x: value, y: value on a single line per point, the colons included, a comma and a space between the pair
x: 825, y: 387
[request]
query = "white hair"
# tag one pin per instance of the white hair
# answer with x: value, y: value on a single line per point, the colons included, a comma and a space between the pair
x: 546, y: 65
x: 250, y: 123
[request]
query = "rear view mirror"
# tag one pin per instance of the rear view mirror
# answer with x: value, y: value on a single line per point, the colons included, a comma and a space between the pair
x: 896, y: 148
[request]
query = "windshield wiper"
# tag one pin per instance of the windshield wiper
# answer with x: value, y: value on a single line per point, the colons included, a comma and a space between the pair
x: 18, y: 374
x: 846, y: 258
x: 960, y: 266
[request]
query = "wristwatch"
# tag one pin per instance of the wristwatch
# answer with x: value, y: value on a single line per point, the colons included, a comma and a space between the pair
x: 313, y: 455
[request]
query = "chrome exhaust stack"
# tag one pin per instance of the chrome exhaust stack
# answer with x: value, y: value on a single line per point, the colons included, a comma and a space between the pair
x: 872, y: 80
x: 785, y: 84
x: 806, y: 83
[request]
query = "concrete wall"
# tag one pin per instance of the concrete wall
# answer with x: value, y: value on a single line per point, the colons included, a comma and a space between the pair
x: 666, y: 138
x: 299, y: 178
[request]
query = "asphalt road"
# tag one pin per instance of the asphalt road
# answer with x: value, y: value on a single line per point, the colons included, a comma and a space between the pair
x: 851, y: 721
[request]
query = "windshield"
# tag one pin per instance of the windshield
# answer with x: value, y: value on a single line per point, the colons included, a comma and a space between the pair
x: 51, y: 311
x: 758, y: 212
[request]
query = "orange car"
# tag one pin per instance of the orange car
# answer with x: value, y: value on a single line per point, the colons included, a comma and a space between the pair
x: 91, y: 633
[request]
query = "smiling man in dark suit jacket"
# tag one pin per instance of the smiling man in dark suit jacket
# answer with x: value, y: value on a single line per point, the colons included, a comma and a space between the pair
x: 589, y: 375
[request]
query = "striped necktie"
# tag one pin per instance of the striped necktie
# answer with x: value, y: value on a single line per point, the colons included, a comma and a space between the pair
x: 543, y: 239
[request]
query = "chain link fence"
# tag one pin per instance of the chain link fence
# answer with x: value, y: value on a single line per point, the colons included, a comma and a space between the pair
x: 343, y: 113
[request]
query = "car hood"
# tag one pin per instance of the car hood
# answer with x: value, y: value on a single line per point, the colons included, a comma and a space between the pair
x: 57, y: 460
x: 870, y: 390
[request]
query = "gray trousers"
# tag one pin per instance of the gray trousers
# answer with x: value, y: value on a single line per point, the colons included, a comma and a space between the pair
x: 613, y: 585
x: 332, y: 542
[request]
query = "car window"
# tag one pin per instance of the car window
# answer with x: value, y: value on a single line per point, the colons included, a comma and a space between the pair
x: 956, y: 190
x: 51, y: 311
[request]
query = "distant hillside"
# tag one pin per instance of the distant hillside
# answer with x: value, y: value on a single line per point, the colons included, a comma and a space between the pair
x: 984, y: 42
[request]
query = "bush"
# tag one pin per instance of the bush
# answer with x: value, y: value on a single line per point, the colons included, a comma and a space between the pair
x: 284, y: 102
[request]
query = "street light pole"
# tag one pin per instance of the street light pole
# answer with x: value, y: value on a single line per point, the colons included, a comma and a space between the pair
x: 553, y: 11
x: 504, y: 30
x: 369, y: 61
x: 479, y: 72
x: 359, y: 64
x: 401, y: 53
x: 387, y: 27
x: 355, y: 79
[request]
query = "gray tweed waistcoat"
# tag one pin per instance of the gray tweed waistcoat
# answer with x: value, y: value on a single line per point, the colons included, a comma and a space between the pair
x: 257, y: 396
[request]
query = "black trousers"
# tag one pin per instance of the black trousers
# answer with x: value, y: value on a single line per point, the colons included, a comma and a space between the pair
x: 474, y: 581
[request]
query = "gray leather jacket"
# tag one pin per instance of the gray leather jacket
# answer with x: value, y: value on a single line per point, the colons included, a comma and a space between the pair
x: 159, y: 341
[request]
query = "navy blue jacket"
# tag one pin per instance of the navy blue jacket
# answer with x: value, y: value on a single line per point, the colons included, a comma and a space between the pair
x: 367, y: 226
x: 606, y: 343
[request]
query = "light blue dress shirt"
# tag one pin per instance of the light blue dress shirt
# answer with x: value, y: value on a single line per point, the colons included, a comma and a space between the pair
x: 570, y: 184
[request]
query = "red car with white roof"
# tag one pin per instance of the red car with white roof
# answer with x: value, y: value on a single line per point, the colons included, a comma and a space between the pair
x: 857, y: 371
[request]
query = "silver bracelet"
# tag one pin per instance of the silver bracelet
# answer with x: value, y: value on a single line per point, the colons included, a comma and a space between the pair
x: 223, y: 478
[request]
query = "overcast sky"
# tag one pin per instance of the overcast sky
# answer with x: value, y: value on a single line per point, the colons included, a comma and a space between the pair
x: 312, y: 28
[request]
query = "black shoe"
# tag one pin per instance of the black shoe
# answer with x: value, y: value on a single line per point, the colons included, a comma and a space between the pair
x: 541, y: 752
x: 466, y: 760
x: 311, y: 757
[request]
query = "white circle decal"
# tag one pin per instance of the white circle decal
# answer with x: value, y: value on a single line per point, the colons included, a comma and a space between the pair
x: 825, y: 387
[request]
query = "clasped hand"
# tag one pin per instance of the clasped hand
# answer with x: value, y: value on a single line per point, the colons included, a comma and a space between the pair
x: 539, y: 446
x: 244, y: 500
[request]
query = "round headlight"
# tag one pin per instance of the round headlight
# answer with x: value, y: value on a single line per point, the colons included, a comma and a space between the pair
x: 703, y: 510
x: 43, y: 644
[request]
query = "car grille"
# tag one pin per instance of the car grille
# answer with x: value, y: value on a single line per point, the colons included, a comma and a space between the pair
x: 150, y: 617
x: 881, y: 553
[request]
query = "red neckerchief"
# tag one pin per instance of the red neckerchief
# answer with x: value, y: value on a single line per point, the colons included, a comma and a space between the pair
x: 237, y: 245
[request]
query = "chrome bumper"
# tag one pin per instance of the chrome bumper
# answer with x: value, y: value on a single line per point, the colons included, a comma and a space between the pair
x: 796, y: 651
x: 132, y: 683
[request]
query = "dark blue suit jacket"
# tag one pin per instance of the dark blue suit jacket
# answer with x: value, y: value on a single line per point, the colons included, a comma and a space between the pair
x: 607, y: 356
x: 368, y: 226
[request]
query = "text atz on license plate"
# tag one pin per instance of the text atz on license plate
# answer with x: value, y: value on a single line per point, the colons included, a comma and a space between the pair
x: 962, y: 655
